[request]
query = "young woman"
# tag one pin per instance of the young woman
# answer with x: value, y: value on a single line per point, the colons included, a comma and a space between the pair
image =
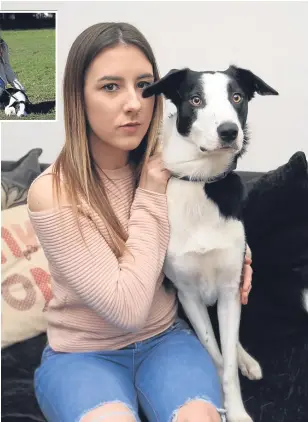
x: 114, y: 339
x: 7, y: 75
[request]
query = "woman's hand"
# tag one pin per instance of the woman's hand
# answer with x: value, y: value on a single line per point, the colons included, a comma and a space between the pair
x: 155, y: 176
x: 246, y: 278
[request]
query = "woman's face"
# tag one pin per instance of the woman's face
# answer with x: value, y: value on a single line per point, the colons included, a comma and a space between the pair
x: 117, y: 113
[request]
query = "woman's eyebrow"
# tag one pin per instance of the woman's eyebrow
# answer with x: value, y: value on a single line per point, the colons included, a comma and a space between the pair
x: 120, y: 78
x: 145, y: 75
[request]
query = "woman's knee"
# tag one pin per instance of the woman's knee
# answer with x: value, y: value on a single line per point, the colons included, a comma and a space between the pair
x: 109, y: 412
x: 197, y: 411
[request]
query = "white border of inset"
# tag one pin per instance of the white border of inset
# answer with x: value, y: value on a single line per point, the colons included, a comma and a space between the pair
x: 56, y: 64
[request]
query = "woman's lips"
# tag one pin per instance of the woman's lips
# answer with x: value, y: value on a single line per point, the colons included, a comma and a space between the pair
x: 130, y: 128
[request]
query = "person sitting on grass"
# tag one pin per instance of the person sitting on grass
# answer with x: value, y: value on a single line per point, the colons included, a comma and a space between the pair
x: 7, y: 75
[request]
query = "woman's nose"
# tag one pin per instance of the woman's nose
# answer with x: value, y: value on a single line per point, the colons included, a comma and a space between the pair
x: 133, y: 103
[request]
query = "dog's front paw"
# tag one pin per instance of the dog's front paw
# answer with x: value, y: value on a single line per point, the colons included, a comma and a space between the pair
x: 9, y: 111
x: 238, y: 416
x: 250, y: 368
x: 234, y: 406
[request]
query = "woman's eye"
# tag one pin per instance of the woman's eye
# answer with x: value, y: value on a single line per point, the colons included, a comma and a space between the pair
x: 143, y: 84
x: 110, y: 87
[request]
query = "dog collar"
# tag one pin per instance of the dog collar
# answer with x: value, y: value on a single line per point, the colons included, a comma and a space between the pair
x: 211, y: 179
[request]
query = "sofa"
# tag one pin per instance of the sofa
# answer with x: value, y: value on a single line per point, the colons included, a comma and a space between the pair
x: 274, y: 325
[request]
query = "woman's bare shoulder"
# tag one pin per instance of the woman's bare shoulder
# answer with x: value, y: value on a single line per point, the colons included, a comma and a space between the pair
x: 41, y: 196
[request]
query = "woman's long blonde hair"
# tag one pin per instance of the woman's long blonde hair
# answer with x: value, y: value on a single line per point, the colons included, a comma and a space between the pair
x: 75, y: 162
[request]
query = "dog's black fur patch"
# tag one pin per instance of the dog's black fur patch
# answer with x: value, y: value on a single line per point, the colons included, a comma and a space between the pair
x: 43, y: 107
x: 242, y: 107
x: 4, y: 100
x: 187, y: 114
x: 249, y: 82
x: 228, y: 194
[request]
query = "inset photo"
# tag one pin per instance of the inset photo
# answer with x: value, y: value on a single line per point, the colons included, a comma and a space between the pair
x: 27, y: 66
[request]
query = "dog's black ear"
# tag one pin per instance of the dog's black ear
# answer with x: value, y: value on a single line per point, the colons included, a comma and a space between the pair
x: 250, y: 83
x: 167, y: 85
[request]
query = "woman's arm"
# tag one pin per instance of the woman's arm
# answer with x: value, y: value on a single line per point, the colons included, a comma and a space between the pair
x: 120, y: 290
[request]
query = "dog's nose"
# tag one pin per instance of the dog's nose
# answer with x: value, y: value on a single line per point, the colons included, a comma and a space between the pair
x: 227, y: 131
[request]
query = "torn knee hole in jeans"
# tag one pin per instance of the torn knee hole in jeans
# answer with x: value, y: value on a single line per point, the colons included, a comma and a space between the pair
x: 105, y: 414
x: 174, y: 416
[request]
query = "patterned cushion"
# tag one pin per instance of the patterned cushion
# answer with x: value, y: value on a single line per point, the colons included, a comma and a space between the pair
x: 26, y: 289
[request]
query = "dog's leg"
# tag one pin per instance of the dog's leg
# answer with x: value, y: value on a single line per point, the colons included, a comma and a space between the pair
x: 249, y: 366
x: 21, y: 112
x: 197, y: 314
x: 229, y: 312
x: 9, y: 110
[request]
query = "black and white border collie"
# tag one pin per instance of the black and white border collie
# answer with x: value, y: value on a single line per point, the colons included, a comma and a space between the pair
x: 201, y: 142
x: 14, y: 102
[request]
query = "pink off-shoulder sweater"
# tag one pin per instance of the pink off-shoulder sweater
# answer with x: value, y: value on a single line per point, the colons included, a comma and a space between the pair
x: 101, y: 302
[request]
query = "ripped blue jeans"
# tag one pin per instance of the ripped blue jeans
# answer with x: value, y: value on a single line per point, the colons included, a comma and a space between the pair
x: 159, y: 374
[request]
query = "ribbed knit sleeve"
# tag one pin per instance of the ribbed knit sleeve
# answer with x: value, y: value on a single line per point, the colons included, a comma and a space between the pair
x: 119, y: 290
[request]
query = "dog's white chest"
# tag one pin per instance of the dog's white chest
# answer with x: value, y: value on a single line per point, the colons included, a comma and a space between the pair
x: 205, y: 250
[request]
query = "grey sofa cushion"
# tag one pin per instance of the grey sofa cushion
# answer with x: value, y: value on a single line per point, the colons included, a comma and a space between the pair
x: 17, y: 178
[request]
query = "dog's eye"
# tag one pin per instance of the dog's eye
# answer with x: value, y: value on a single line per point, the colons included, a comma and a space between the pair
x: 237, y: 98
x: 195, y: 101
